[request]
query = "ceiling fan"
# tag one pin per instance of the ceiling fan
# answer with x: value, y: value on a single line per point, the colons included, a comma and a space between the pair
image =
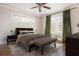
x: 40, y: 5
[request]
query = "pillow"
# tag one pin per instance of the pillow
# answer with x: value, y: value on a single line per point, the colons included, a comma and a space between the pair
x: 25, y: 32
x: 30, y: 31
x: 22, y: 32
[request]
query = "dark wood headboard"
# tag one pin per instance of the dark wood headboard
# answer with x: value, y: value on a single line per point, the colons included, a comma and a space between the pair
x: 17, y: 30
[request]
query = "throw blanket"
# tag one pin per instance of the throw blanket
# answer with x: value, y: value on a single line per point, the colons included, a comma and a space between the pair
x: 25, y: 40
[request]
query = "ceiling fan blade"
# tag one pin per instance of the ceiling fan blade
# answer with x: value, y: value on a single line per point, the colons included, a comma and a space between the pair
x: 46, y: 7
x: 43, y: 3
x: 34, y: 7
x: 38, y: 4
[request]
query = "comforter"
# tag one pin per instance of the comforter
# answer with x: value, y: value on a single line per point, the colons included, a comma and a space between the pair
x: 25, y: 40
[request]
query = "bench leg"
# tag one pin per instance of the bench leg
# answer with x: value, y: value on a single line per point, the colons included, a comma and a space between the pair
x: 42, y: 50
x: 36, y: 49
x: 55, y: 43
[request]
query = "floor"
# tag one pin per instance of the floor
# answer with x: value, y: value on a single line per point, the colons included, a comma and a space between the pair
x: 4, y: 50
x: 48, y: 51
x: 13, y: 50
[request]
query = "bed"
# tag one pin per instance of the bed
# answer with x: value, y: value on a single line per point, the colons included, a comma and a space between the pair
x: 26, y: 39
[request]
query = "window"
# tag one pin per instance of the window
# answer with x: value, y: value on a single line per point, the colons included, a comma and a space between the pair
x: 57, y: 25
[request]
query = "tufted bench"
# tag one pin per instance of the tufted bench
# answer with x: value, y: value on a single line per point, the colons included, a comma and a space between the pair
x: 42, y: 42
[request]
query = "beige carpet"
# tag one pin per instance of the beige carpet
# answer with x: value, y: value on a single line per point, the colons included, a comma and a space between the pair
x: 4, y: 50
x: 48, y: 51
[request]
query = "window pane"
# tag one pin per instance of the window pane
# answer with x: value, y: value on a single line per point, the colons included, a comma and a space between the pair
x: 57, y: 25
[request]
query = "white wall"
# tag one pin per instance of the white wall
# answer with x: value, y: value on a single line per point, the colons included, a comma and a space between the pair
x: 43, y: 24
x: 9, y: 20
x: 74, y: 19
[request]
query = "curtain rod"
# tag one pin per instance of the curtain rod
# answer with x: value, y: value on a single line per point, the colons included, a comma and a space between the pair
x: 62, y: 10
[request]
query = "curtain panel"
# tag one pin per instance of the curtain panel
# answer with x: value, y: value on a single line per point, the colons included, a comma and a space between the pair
x: 66, y: 24
x: 48, y: 25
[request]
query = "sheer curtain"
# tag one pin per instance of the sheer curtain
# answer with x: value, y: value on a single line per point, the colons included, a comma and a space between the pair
x: 57, y: 26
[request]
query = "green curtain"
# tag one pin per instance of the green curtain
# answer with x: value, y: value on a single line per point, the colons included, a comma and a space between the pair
x: 47, y: 28
x: 66, y: 24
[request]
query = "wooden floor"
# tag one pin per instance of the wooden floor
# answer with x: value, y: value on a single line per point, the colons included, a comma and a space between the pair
x: 4, y: 50
x: 13, y: 50
x: 48, y: 51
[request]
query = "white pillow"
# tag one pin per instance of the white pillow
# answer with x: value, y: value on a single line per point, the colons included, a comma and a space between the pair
x: 23, y: 32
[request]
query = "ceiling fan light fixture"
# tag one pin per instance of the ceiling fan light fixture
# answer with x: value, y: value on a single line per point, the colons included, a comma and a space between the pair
x: 40, y: 5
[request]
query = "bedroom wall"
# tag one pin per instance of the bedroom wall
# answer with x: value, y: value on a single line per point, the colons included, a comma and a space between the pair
x: 44, y: 23
x: 9, y: 20
x: 74, y: 19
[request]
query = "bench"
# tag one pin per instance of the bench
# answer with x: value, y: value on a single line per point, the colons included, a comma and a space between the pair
x: 42, y: 42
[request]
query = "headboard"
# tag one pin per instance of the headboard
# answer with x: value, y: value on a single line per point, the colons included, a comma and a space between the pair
x: 17, y: 30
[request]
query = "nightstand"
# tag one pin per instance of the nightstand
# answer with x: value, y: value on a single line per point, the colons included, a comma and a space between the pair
x: 11, y: 39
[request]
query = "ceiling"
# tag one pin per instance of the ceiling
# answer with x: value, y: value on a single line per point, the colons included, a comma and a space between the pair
x: 26, y: 8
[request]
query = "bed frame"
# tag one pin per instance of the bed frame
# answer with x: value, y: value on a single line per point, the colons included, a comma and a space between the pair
x: 17, y: 30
